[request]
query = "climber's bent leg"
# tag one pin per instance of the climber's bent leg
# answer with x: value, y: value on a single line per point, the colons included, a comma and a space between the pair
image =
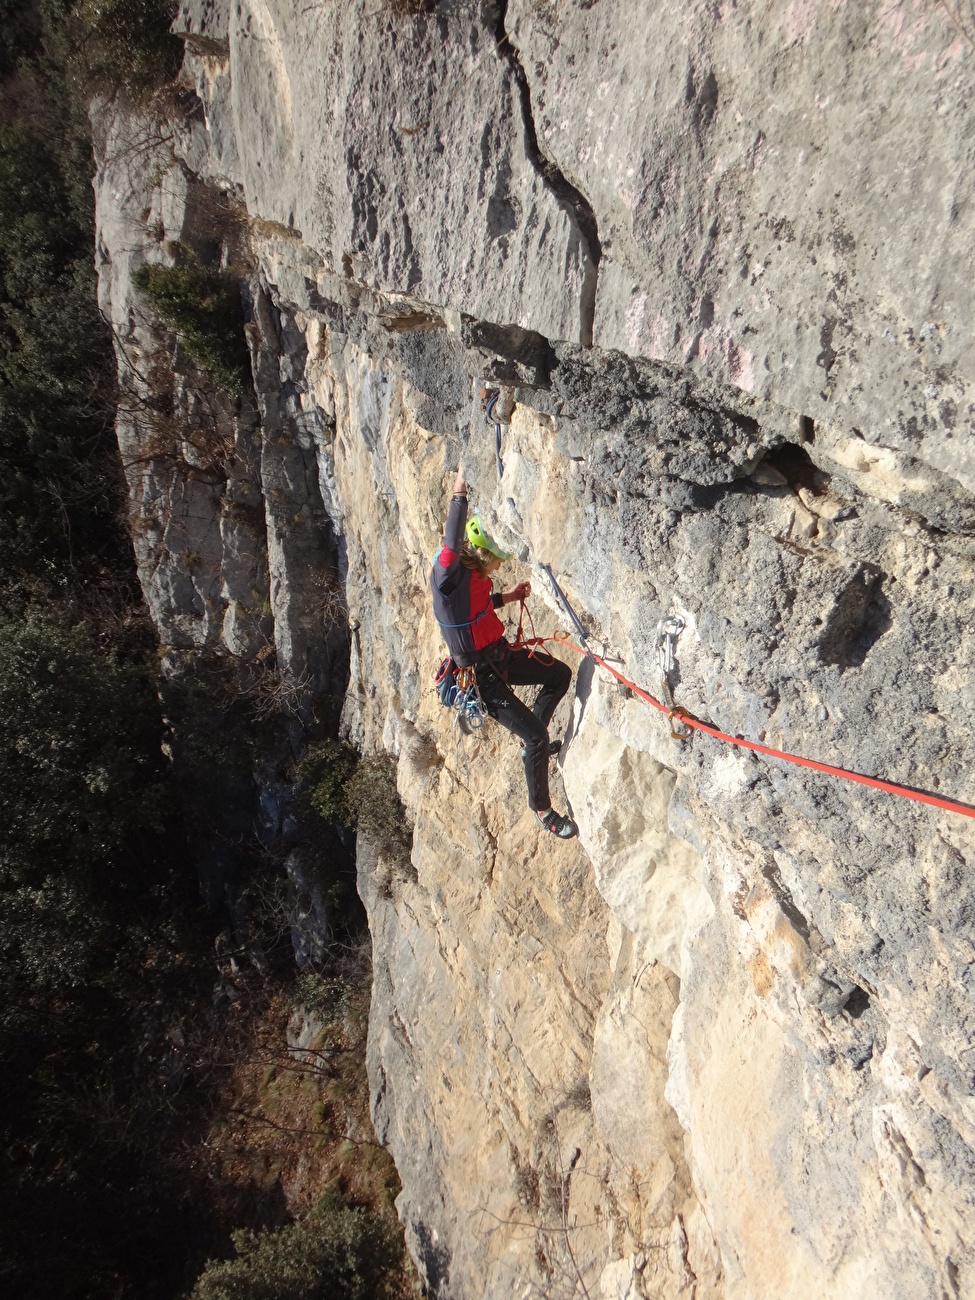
x: 554, y: 677
x: 505, y: 707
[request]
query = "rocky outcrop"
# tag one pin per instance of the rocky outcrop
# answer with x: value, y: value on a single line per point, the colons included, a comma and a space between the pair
x: 721, y: 1045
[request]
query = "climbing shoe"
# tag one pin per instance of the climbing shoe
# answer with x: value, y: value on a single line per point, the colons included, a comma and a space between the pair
x: 563, y: 827
x: 553, y: 748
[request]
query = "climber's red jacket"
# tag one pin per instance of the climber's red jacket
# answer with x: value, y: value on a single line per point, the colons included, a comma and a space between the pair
x: 463, y: 602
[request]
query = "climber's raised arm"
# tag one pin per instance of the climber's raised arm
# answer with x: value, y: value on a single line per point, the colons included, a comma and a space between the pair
x: 453, y: 534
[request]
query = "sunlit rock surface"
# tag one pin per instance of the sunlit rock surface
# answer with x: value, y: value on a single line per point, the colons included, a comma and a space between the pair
x: 722, y: 1044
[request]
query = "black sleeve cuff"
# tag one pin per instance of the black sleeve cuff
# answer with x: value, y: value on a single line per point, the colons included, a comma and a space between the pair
x: 497, y: 600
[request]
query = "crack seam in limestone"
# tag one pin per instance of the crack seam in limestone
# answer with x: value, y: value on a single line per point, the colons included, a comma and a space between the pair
x: 569, y: 196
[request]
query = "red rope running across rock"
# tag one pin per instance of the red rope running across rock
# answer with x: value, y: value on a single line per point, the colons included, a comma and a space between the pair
x: 890, y: 787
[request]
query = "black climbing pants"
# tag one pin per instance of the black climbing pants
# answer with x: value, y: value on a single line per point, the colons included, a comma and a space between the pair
x: 500, y: 669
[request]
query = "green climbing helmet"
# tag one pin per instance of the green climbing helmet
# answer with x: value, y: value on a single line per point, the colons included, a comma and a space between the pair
x: 483, y: 540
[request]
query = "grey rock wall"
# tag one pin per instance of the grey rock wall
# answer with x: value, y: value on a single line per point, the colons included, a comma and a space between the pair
x: 721, y: 1045
x: 782, y: 193
x: 191, y: 454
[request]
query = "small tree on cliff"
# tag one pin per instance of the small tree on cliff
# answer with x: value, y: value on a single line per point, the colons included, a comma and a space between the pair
x: 336, y: 1253
x: 202, y: 306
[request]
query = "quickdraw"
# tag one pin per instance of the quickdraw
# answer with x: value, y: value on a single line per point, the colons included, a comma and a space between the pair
x: 489, y: 400
x: 668, y: 634
x: 563, y: 600
x: 457, y: 689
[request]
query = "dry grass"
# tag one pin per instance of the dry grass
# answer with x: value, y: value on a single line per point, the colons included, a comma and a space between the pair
x: 411, y: 8
x: 266, y: 229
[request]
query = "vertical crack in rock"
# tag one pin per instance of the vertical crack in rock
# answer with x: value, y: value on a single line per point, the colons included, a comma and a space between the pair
x: 570, y: 197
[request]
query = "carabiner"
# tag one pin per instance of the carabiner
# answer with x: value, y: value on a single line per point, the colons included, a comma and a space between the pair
x: 668, y: 631
x: 677, y: 713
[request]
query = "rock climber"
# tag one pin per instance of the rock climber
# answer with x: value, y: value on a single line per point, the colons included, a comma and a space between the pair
x: 464, y: 603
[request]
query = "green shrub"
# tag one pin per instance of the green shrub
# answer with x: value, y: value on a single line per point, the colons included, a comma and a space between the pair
x: 335, y: 1253
x: 350, y: 791
x: 326, y: 994
x: 327, y: 768
x: 80, y: 761
x: 85, y: 796
x: 379, y: 813
x: 126, y: 45
x: 203, y: 308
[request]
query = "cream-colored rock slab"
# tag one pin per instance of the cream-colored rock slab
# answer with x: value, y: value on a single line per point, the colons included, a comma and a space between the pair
x: 629, y: 1071
x: 843, y: 1164
x: 649, y: 877
x: 493, y: 968
x: 735, y: 1084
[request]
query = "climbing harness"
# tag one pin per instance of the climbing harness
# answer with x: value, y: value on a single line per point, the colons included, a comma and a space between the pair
x: 489, y: 400
x: 457, y: 689
x: 458, y: 692
x: 668, y: 634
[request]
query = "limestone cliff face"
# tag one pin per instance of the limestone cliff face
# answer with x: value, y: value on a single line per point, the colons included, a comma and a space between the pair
x: 722, y: 1044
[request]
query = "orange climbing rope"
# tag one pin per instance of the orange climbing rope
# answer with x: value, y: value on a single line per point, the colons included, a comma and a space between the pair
x: 681, y: 718
x: 531, y: 643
